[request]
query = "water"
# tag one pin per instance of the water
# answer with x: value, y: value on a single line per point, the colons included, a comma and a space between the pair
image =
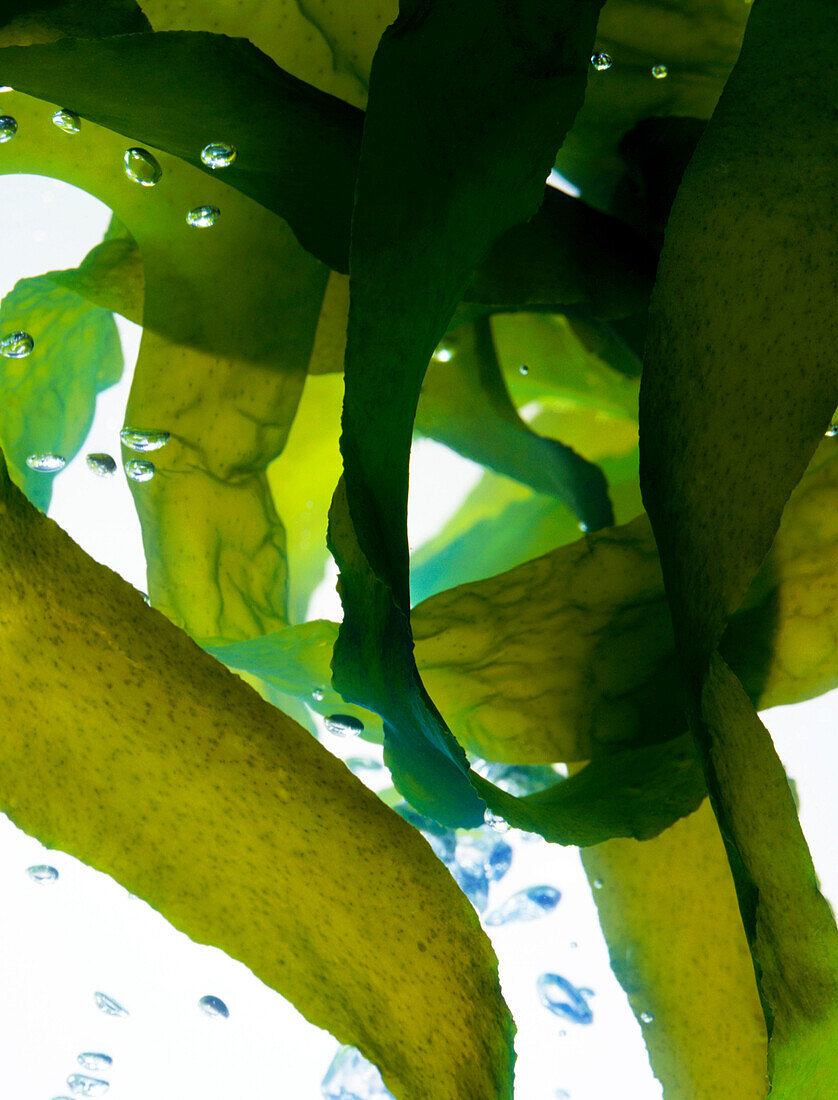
x: 598, y: 884
x: 202, y: 217
x: 214, y: 1006
x: 67, y: 121
x: 318, y: 695
x: 42, y: 872
x: 17, y: 345
x: 344, y: 725
x: 480, y: 859
x: 136, y: 439
x: 562, y: 998
x: 8, y: 128
x: 46, y: 463
x: 646, y: 1017
x: 523, y: 369
x: 495, y: 822
x: 137, y: 469
x: 601, y: 62
x: 529, y: 904
x: 6, y: 88
x: 92, y: 1059
x: 218, y: 154
x: 351, y: 1077
x: 443, y: 354
x: 362, y: 764
x: 442, y: 840
x: 831, y: 431
x: 80, y: 1084
x: 141, y: 167
x: 660, y: 72
x: 109, y: 1006
x: 101, y: 464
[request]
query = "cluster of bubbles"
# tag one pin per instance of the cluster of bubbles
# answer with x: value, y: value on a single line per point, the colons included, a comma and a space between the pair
x: 602, y: 61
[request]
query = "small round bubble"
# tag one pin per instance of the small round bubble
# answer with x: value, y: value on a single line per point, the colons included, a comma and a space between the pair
x: 318, y: 695
x: 601, y: 61
x: 598, y: 884
x: 218, y: 154
x: 524, y: 369
x: 443, y: 354
x: 646, y: 1017
x: 142, y: 167
x: 8, y: 128
x: 203, y: 217
x: 67, y: 121
x: 660, y: 72
x: 495, y: 822
x: 831, y: 431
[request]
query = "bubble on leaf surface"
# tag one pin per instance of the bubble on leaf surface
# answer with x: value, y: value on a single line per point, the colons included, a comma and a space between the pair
x: 218, y: 154
x: 203, y: 217
x: 831, y: 431
x: 351, y: 1077
x: 42, y: 872
x: 318, y: 695
x: 17, y: 345
x: 142, y: 167
x: 67, y: 121
x: 563, y: 998
x: 138, y: 469
x: 142, y: 441
x: 46, y: 463
x: 660, y: 72
x: 103, y: 465
x: 344, y: 725
x: 8, y: 128
x: 601, y: 61
x: 6, y: 88
x: 646, y: 1017
x: 109, y: 1006
x: 529, y: 904
x: 80, y: 1084
x: 213, y: 1006
x: 443, y: 354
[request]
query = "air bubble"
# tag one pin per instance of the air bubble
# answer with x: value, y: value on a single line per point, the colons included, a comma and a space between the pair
x: 92, y: 1059
x: 202, y: 217
x: 601, y: 61
x: 136, y: 439
x: 8, y: 128
x: 17, y: 345
x: 109, y: 1006
x: 318, y: 695
x: 495, y: 822
x: 443, y: 354
x: 82, y: 1085
x: 102, y: 465
x: 214, y: 1006
x: 141, y: 167
x: 646, y: 1018
x: 42, y: 872
x: 660, y: 72
x: 67, y: 121
x: 218, y: 154
x: 524, y: 369
x: 344, y: 725
x: 529, y: 904
x: 563, y: 998
x: 46, y: 463
x: 138, y: 469
x: 831, y: 431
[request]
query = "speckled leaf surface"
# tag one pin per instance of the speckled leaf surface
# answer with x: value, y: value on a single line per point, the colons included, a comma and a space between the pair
x: 668, y: 911
x: 47, y: 399
x: 739, y: 385
x: 210, y: 371
x: 234, y: 823
x: 527, y: 80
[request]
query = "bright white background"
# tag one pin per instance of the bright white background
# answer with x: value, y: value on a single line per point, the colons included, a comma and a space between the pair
x: 60, y: 942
